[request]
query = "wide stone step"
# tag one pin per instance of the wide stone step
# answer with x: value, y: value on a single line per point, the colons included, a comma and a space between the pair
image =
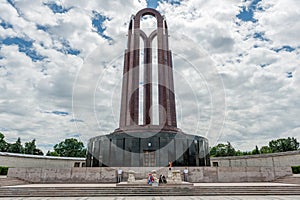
x: 145, y: 191
x: 295, y: 179
x: 11, y: 181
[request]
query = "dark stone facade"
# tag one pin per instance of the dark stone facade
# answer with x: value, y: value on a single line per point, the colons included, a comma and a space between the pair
x: 122, y: 149
x: 147, y: 144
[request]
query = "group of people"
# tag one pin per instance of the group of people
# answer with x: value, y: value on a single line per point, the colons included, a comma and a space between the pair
x: 151, y: 179
x: 162, y: 178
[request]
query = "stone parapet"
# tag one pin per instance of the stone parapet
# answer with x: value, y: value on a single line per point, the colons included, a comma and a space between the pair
x: 109, y: 175
x: 282, y: 159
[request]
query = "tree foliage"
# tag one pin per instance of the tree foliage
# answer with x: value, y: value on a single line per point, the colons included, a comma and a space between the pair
x: 222, y: 150
x: 265, y: 149
x: 70, y: 147
x: 3, y: 143
x: 255, y: 151
x: 30, y: 148
x: 52, y: 153
x: 279, y: 145
x: 284, y: 144
x: 16, y: 147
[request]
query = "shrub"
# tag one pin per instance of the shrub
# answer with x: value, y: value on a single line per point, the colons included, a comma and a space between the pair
x: 296, y: 169
x: 3, y: 170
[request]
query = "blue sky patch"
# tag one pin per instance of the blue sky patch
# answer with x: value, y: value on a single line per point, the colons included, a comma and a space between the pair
x: 264, y: 65
x: 43, y: 28
x: 25, y: 46
x: 289, y: 74
x: 61, y: 113
x: 11, y: 2
x: 5, y: 25
x: 285, y: 48
x: 97, y: 22
x: 152, y: 4
x: 57, y: 8
x: 76, y: 120
x: 247, y: 13
x: 3, y: 129
x: 73, y: 135
x: 67, y: 49
x: 260, y: 36
x: 172, y: 2
x: 1, y: 57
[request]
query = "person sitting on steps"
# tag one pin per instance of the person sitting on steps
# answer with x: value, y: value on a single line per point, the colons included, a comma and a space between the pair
x: 150, y: 179
x: 162, y: 179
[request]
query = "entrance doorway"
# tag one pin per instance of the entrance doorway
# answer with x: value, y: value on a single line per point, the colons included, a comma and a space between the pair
x: 149, y: 159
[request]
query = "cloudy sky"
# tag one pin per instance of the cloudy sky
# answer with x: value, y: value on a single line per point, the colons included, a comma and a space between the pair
x: 236, y: 68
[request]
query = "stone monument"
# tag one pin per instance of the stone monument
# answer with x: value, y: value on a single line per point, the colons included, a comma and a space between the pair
x: 147, y: 144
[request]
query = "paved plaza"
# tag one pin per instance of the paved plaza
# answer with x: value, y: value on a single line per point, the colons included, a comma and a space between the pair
x: 164, y: 198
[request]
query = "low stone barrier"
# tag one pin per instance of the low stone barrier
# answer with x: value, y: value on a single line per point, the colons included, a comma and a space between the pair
x: 109, y: 175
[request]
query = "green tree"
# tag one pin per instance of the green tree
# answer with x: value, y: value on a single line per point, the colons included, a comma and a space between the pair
x: 3, y: 143
x: 255, y: 151
x: 284, y: 144
x: 30, y: 148
x: 70, y: 147
x: 52, y: 153
x: 222, y: 150
x: 16, y: 147
x: 242, y: 153
x: 38, y: 152
x: 230, y: 150
x: 265, y: 149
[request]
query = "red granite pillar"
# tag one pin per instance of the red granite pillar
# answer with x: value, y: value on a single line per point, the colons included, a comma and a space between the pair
x: 124, y: 101
x: 171, y: 91
x: 128, y: 58
x: 134, y: 99
x: 161, y: 76
x: 129, y: 76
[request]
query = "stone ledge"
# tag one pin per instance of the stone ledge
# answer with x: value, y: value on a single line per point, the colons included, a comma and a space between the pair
x: 109, y: 175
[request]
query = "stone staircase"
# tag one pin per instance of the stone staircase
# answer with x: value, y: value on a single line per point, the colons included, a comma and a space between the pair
x: 7, y: 181
x: 53, y: 191
x: 294, y: 179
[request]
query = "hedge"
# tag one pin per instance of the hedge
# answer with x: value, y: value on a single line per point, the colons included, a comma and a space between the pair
x: 3, y: 170
x: 296, y: 169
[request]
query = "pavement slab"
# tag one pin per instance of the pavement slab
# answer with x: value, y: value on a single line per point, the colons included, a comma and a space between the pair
x: 163, y: 198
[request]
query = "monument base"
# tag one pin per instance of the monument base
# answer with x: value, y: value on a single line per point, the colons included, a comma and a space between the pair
x: 147, y: 148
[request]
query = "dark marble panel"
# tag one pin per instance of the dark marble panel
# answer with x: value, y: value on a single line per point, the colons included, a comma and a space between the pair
x: 128, y: 151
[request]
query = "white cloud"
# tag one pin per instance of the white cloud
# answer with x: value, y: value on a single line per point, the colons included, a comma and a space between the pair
x: 280, y: 21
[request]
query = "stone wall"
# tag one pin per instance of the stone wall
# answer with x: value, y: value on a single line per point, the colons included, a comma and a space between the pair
x: 23, y: 160
x: 284, y: 159
x: 108, y: 175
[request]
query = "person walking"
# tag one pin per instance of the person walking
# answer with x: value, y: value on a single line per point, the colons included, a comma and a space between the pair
x: 185, y: 174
